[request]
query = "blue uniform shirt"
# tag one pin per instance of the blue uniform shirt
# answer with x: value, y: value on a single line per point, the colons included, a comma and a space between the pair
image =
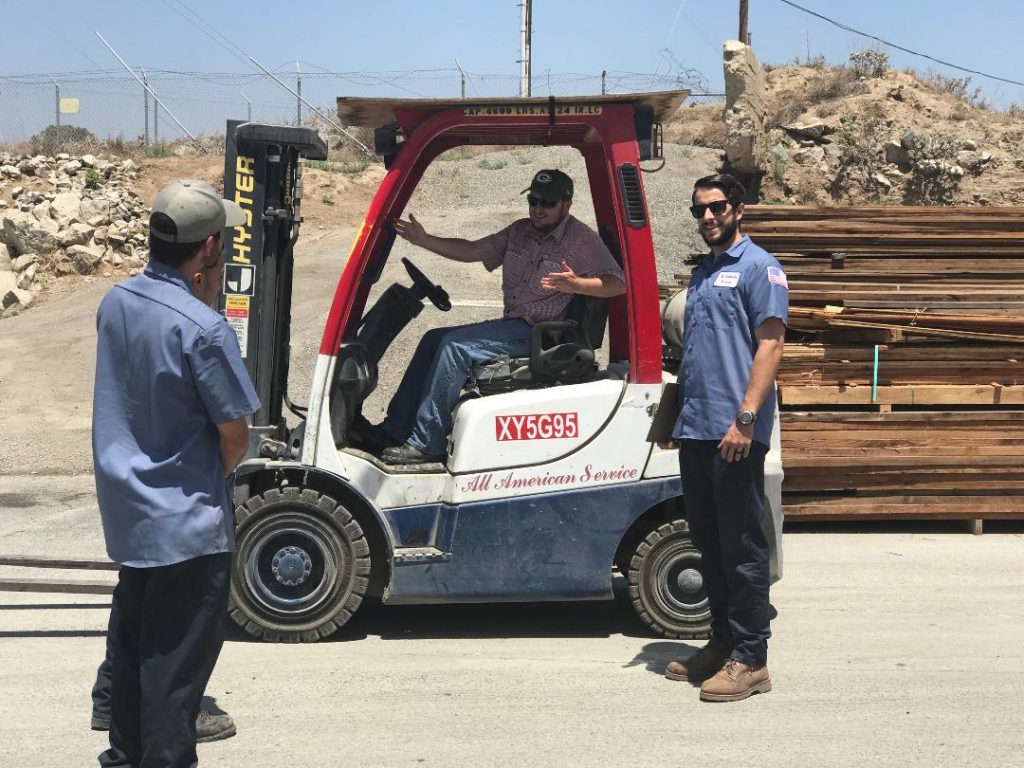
x: 168, y: 370
x: 727, y: 299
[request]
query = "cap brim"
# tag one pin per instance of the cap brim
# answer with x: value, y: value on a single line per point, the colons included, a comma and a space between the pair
x: 234, y: 216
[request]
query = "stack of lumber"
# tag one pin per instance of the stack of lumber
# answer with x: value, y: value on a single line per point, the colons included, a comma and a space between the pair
x: 902, y: 384
x: 928, y: 231
x: 933, y: 465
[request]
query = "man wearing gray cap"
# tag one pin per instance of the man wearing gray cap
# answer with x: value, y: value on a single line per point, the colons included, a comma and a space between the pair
x: 169, y: 426
x: 545, y: 258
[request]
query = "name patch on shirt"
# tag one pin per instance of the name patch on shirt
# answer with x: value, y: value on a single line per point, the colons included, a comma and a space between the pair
x: 727, y: 280
x: 777, y: 276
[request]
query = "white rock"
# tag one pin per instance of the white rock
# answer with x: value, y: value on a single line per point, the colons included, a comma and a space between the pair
x: 66, y: 208
x: 23, y: 262
x: 76, y: 234
x: 27, y: 234
x: 84, y: 258
x: 6, y: 264
x: 9, y: 171
x: 89, y: 161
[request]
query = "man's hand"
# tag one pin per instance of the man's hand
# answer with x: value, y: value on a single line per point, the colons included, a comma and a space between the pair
x: 565, y: 281
x: 736, y: 443
x: 411, y: 230
x: 668, y: 445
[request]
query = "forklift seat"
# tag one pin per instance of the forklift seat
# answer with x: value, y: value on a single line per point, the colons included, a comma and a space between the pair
x: 561, y: 351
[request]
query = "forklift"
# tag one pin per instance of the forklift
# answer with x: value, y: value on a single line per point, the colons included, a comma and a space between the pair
x: 549, y: 484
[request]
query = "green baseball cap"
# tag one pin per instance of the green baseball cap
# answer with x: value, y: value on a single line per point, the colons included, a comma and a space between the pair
x: 550, y: 185
x: 192, y: 211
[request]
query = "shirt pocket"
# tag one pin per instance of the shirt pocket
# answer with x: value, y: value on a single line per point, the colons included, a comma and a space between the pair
x: 723, y: 307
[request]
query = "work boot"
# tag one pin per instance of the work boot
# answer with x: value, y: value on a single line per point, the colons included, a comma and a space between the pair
x: 372, y: 438
x: 410, y: 454
x: 700, y: 666
x: 736, y: 681
x: 213, y: 727
x: 209, y: 726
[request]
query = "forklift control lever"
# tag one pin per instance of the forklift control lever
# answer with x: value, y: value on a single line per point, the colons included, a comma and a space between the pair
x: 425, y: 289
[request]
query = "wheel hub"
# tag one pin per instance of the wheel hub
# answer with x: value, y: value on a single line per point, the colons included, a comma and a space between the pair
x: 291, y: 566
x: 690, y: 581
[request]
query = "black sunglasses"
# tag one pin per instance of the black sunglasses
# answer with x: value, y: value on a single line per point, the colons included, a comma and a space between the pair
x: 717, y: 207
x: 533, y: 201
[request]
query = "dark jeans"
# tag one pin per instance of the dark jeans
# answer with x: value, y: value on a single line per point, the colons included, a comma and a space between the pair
x: 101, y: 688
x: 420, y: 412
x: 169, y: 632
x: 725, y: 510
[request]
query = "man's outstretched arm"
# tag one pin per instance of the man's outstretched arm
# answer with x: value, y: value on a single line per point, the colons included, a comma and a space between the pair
x: 454, y: 248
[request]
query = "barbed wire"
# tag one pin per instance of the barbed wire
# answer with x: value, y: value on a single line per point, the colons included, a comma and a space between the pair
x: 111, y: 104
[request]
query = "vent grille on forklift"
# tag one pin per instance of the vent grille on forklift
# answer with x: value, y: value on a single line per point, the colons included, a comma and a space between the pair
x: 636, y: 213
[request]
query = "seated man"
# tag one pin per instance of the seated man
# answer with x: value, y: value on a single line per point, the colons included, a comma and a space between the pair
x: 546, y: 258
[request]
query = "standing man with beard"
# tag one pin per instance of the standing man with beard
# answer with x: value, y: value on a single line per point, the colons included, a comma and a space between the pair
x: 733, y: 331
x: 546, y: 258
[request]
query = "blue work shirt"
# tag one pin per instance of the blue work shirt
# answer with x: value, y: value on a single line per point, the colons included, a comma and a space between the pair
x: 168, y: 370
x: 728, y: 297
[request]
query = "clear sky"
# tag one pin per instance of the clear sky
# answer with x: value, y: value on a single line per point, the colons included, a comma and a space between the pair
x: 584, y: 36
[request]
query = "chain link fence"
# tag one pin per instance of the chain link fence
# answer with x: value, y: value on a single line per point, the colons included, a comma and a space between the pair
x: 112, y: 105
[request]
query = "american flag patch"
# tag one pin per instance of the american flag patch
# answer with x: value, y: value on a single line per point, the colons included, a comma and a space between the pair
x: 777, y: 276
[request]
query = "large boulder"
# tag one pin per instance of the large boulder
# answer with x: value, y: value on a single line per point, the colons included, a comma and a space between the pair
x: 24, y: 233
x: 744, y: 107
x: 77, y: 234
x: 66, y: 208
x: 82, y: 259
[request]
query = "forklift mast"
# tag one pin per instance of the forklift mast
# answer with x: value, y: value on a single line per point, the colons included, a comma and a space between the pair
x: 263, y: 174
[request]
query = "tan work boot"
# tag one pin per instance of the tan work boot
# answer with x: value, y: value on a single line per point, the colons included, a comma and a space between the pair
x: 699, y: 667
x: 736, y: 681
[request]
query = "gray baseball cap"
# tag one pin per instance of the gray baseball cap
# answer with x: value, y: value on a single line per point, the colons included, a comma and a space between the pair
x: 192, y: 211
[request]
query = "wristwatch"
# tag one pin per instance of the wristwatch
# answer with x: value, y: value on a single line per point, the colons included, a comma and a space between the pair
x: 746, y: 418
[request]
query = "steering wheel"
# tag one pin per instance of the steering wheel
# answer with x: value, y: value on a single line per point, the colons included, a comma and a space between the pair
x: 438, y: 296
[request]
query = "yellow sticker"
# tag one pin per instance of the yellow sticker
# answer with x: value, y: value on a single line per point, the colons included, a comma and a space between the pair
x: 236, y: 304
x: 532, y: 110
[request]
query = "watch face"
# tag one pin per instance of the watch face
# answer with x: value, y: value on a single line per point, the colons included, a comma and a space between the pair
x: 745, y: 418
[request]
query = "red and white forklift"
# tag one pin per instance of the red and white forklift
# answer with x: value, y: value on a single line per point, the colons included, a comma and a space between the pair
x: 549, y: 484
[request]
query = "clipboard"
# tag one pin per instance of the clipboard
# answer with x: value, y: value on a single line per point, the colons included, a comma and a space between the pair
x: 665, y: 417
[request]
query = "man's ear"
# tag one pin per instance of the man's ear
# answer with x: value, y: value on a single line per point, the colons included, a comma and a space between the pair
x: 739, y: 211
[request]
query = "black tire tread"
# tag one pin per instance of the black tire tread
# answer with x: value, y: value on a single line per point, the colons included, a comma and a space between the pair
x: 361, y: 566
x: 659, y: 534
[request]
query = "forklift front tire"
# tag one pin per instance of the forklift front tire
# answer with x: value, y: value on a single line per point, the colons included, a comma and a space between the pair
x: 302, y: 566
x: 666, y: 585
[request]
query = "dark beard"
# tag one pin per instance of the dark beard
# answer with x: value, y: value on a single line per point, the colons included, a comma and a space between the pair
x: 728, y: 231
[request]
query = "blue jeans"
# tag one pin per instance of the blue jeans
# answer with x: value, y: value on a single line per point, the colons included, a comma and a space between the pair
x: 420, y: 413
x: 724, y: 509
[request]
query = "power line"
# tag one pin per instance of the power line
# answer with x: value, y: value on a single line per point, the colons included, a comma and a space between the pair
x: 847, y: 28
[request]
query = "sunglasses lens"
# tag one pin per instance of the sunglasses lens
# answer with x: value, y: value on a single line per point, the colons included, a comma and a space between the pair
x: 717, y: 207
x: 536, y: 201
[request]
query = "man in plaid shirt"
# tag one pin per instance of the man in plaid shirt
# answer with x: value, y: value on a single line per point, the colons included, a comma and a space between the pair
x: 547, y: 258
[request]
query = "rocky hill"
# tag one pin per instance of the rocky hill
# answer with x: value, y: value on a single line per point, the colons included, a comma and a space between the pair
x: 862, y: 134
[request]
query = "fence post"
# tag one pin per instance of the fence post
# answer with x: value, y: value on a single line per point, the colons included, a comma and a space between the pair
x: 604, y: 74
x: 145, y: 100
x: 56, y: 112
x: 298, y: 91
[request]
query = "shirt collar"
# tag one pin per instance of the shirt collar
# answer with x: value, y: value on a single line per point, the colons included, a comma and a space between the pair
x: 158, y: 271
x: 734, y: 252
x: 559, y: 232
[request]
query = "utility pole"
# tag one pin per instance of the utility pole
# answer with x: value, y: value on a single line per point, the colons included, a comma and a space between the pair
x: 248, y: 107
x: 744, y: 36
x: 298, y: 91
x: 525, y: 37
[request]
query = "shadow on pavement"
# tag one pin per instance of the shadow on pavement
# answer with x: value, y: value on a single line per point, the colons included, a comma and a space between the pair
x: 485, y: 621
x: 656, y: 656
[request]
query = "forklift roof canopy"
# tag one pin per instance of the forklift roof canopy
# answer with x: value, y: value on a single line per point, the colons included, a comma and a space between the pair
x: 373, y: 113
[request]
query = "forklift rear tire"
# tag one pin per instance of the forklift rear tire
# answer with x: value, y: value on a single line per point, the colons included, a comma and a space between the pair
x: 301, y: 567
x: 666, y: 585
